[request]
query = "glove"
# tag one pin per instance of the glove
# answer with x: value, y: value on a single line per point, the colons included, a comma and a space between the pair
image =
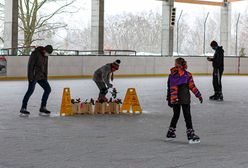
x: 201, y: 100
x: 170, y: 105
x: 110, y: 85
x: 209, y: 59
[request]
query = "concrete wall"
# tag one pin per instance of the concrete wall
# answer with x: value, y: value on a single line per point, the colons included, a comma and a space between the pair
x: 85, y: 65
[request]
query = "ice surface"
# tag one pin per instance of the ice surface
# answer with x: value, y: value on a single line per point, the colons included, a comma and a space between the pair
x: 124, y: 141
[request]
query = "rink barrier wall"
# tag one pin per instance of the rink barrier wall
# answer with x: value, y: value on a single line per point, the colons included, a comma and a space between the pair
x: 61, y: 67
x: 5, y: 78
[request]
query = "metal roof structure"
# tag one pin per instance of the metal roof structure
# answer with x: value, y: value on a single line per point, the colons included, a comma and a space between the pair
x: 207, y: 2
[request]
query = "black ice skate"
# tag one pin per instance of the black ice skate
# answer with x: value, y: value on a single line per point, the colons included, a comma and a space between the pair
x: 218, y: 96
x: 44, y: 111
x: 171, y: 134
x: 214, y: 97
x: 221, y: 98
x: 24, y: 112
x: 192, y: 137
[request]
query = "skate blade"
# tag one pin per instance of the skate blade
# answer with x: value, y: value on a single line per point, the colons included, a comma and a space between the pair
x: 194, y: 142
x: 217, y: 99
x: 44, y: 115
x: 24, y: 115
x: 169, y: 139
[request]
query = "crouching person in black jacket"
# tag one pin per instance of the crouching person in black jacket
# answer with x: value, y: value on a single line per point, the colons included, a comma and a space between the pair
x: 37, y: 73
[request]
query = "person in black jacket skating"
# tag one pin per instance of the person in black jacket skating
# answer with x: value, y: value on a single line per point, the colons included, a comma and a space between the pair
x: 218, y: 69
x: 37, y: 73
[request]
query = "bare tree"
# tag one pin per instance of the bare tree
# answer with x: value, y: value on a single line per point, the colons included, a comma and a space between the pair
x: 78, y: 39
x: 195, y: 40
x: 140, y: 32
x: 33, y: 22
x: 1, y: 20
x: 242, y: 34
x: 183, y: 35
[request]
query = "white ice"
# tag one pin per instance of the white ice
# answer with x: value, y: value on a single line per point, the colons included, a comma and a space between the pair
x: 126, y: 141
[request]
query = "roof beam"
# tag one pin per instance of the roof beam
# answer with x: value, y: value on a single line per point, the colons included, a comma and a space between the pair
x: 234, y: 0
x: 200, y: 2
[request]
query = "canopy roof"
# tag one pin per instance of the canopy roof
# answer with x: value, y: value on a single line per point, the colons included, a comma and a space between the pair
x: 208, y: 2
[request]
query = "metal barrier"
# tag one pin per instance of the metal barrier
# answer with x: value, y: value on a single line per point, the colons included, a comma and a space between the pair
x: 23, y: 51
x: 115, y: 52
x: 16, y: 51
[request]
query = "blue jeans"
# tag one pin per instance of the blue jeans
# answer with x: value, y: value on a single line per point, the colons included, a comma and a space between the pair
x: 31, y: 87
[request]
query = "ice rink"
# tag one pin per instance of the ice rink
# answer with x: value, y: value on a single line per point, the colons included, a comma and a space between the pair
x: 124, y: 141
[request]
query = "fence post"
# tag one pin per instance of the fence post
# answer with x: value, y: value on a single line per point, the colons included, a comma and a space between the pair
x: 237, y: 27
x: 204, y: 38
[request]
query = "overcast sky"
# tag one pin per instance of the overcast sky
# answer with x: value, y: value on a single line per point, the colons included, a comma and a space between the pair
x: 113, y: 7
x: 82, y: 18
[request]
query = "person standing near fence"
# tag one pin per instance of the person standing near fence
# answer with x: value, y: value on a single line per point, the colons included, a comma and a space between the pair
x: 218, y: 69
x: 37, y: 73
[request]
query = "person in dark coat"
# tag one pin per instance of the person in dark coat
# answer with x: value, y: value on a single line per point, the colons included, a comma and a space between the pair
x: 37, y: 73
x: 218, y: 69
x: 180, y: 83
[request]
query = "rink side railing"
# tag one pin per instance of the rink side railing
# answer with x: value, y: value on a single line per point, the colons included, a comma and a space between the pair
x: 23, y: 51
x: 131, y: 66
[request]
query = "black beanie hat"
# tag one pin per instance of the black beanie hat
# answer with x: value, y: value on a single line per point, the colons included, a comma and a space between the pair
x: 49, y: 49
x: 213, y: 44
x: 116, y: 64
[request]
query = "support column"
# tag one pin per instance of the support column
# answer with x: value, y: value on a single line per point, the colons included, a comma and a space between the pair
x: 225, y: 28
x: 97, y: 26
x: 11, y: 25
x: 167, y: 43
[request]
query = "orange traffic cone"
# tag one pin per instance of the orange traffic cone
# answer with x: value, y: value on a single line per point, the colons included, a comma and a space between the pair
x: 131, y: 101
x: 66, y: 106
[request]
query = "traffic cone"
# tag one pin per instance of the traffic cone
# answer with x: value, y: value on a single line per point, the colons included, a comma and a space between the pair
x: 131, y: 101
x: 66, y: 106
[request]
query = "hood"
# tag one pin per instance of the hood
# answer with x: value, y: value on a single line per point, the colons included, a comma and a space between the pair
x: 220, y: 48
x: 178, y: 70
x: 40, y: 49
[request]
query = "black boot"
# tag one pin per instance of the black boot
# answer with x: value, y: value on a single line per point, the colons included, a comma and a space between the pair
x: 44, y: 111
x: 214, y: 97
x: 192, y: 137
x: 24, y: 112
x: 171, y: 134
x: 221, y: 98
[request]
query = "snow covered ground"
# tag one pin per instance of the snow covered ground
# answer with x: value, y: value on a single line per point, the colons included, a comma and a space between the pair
x: 125, y: 141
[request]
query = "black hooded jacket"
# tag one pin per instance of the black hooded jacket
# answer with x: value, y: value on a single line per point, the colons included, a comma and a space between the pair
x: 218, y: 59
x: 38, y: 65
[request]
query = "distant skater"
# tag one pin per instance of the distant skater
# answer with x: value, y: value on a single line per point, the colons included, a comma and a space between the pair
x: 218, y: 69
x: 180, y: 82
x: 102, y: 77
x: 37, y: 73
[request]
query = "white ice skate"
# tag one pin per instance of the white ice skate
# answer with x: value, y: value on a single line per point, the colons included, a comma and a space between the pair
x: 191, y: 141
x: 192, y: 137
x: 23, y: 115
x: 44, y: 114
x: 171, y: 134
